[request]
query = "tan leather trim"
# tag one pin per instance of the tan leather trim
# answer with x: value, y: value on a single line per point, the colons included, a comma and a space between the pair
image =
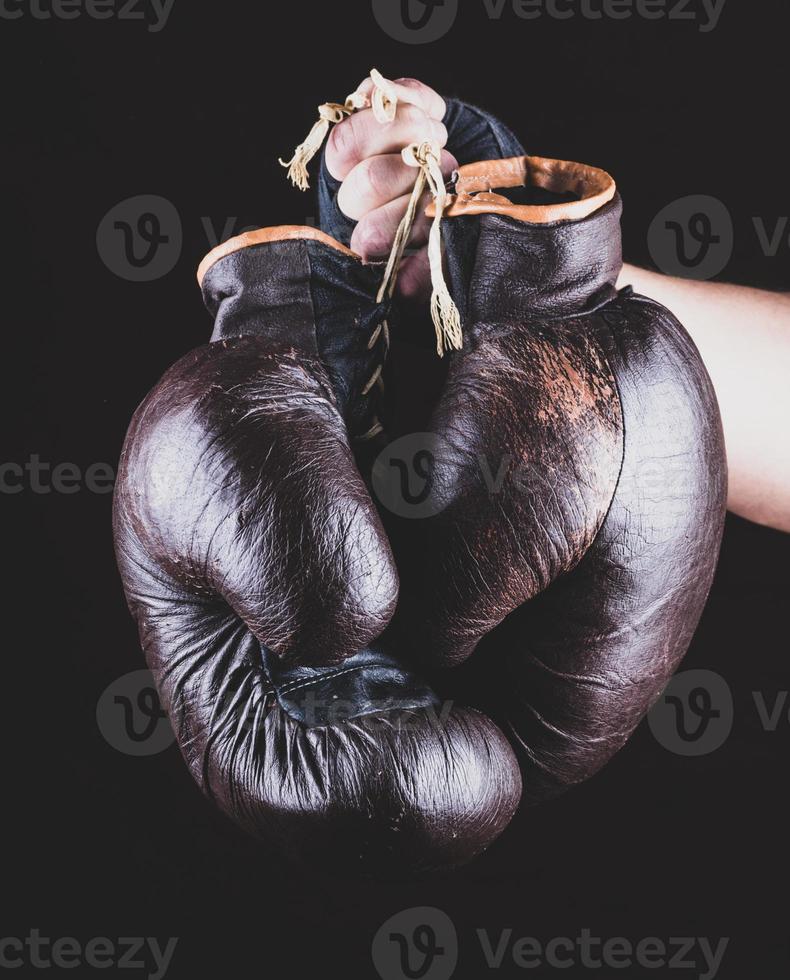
x: 262, y: 236
x: 476, y: 183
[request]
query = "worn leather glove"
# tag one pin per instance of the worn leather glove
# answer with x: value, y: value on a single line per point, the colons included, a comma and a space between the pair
x: 260, y: 577
x: 578, y: 474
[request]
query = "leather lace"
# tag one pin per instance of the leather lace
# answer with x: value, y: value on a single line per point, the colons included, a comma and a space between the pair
x: 444, y: 313
x: 383, y: 101
x: 381, y: 333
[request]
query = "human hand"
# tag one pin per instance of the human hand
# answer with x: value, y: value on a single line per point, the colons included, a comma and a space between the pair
x: 376, y: 184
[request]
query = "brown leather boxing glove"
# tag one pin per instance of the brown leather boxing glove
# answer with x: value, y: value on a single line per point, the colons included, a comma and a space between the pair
x: 260, y: 577
x: 577, y: 478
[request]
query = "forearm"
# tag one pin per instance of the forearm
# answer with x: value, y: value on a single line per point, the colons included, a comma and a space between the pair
x: 743, y: 335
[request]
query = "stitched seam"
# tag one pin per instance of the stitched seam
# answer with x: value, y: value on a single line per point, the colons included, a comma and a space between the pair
x: 309, y: 258
x: 512, y: 169
x: 499, y: 173
x: 622, y: 458
x: 298, y: 685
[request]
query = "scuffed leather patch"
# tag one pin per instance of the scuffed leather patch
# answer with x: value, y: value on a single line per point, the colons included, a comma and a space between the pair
x: 532, y: 424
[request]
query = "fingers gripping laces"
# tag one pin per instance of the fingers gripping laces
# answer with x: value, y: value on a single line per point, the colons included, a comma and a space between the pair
x: 384, y: 102
x: 444, y: 312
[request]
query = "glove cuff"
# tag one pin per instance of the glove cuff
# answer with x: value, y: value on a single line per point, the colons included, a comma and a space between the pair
x: 301, y: 289
x: 547, y: 233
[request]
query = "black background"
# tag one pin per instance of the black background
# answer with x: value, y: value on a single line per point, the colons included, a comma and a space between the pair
x: 98, y: 843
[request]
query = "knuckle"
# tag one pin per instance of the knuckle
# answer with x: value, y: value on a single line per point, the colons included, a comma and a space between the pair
x: 438, y: 132
x: 378, y: 178
x: 343, y: 148
x: 434, y: 103
x: 412, y: 115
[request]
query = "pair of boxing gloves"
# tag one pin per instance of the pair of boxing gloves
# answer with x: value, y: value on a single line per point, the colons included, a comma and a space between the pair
x: 308, y: 645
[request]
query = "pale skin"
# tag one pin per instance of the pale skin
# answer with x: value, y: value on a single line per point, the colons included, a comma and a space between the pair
x: 743, y: 334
